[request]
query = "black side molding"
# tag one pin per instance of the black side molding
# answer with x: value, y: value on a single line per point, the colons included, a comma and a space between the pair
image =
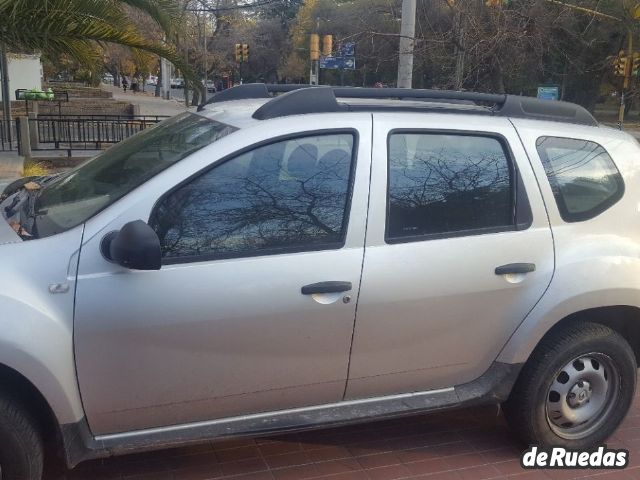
x: 492, y: 387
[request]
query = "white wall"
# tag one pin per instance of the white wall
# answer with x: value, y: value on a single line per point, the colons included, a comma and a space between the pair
x: 25, y: 71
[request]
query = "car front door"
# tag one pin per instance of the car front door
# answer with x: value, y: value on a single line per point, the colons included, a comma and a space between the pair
x: 458, y: 252
x: 240, y: 318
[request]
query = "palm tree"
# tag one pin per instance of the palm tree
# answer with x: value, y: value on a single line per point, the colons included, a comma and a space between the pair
x: 74, y: 27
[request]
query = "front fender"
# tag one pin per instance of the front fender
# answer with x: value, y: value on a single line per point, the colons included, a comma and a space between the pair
x: 36, y: 325
x: 41, y: 349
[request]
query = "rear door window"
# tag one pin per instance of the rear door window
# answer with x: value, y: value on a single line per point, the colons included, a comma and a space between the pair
x: 584, y: 179
x: 448, y: 185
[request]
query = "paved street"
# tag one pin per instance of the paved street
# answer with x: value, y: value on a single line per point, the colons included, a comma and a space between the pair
x: 470, y: 444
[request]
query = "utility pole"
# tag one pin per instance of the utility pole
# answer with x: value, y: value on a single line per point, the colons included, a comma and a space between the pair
x: 314, y: 47
x: 204, y: 59
x: 6, y: 98
x: 627, y: 79
x: 165, y: 76
x: 407, y: 42
x: 314, y: 75
x: 460, y: 51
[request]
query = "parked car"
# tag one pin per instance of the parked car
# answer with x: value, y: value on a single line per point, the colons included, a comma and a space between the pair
x: 107, y: 78
x: 177, y: 83
x: 327, y: 256
x: 211, y: 86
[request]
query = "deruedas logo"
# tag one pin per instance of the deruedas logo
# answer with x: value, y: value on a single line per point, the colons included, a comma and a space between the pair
x: 559, y: 457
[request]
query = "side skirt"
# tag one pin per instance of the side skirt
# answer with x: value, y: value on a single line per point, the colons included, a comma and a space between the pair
x: 493, y: 386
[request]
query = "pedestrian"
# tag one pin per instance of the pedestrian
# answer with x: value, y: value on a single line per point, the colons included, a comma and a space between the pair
x: 125, y: 84
x: 134, y: 85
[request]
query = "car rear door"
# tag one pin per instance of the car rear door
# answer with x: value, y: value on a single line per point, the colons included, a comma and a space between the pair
x: 458, y: 251
x: 254, y: 306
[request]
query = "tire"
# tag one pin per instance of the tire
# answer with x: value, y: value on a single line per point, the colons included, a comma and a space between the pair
x: 21, y: 449
x: 575, y: 389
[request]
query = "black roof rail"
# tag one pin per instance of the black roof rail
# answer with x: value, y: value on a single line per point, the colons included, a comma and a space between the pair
x: 251, y: 90
x: 301, y: 99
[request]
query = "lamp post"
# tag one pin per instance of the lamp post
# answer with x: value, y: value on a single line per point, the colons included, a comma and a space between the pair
x: 6, y: 98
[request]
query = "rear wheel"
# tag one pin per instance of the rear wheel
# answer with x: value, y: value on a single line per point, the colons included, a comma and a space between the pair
x: 21, y: 451
x: 575, y: 390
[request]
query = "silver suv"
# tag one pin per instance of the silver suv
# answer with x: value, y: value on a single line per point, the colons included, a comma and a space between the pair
x: 292, y: 257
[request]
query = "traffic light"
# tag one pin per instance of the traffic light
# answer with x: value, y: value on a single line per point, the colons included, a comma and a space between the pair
x: 327, y: 45
x: 238, y: 53
x: 314, y: 46
x: 620, y: 64
x: 245, y: 52
x: 635, y: 66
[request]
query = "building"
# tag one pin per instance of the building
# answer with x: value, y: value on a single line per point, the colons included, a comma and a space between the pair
x: 25, y: 72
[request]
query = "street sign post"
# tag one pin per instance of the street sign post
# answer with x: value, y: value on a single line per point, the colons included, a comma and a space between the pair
x: 345, y: 60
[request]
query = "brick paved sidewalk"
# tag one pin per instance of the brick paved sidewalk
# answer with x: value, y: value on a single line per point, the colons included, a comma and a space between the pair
x: 470, y: 444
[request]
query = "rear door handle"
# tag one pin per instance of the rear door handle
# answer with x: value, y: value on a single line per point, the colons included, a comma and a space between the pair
x: 514, y: 268
x: 326, y: 287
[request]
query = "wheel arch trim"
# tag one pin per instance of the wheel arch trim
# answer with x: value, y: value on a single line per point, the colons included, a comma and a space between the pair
x: 599, y: 307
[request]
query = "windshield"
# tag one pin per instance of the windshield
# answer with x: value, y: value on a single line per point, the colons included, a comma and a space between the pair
x: 74, y: 197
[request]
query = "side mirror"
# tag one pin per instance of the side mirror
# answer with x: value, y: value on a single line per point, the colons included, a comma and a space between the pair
x: 135, y: 246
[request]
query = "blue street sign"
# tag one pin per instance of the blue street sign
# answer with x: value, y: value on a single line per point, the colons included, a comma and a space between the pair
x: 548, y: 93
x: 331, y: 63
x: 338, y: 63
x: 348, y: 49
x: 349, y: 63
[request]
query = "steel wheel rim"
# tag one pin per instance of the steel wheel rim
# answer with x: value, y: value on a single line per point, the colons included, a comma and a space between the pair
x: 582, y: 395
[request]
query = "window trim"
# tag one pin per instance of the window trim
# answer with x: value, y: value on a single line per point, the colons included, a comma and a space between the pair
x: 272, y: 251
x: 520, y: 206
x: 567, y: 216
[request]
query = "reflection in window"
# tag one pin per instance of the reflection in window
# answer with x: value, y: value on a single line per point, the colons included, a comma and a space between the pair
x: 441, y: 184
x: 287, y: 195
x: 583, y: 177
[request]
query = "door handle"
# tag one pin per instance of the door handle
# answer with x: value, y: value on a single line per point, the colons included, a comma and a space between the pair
x: 326, y: 287
x: 514, y: 268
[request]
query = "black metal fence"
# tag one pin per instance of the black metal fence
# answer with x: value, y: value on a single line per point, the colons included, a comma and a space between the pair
x: 87, y: 132
x: 8, y: 140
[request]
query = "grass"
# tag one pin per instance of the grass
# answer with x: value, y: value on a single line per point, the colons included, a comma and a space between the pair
x: 35, y: 169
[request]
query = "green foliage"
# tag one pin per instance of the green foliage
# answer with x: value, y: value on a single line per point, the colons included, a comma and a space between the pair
x: 506, y: 46
x: 75, y: 27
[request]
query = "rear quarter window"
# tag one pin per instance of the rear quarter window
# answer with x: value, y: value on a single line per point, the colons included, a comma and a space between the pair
x: 584, y: 179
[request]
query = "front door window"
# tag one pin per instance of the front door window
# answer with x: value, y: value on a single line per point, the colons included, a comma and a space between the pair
x: 292, y: 195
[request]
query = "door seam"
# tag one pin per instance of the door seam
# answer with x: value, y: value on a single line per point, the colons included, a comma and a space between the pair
x: 364, y: 252
x: 553, y: 241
